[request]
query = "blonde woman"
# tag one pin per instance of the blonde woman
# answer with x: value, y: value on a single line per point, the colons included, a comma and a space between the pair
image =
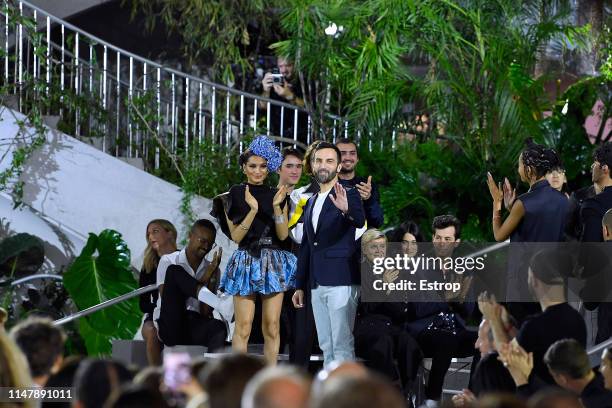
x: 161, y: 240
x: 14, y: 370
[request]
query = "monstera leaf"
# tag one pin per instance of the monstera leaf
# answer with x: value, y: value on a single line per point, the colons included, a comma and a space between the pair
x: 102, y: 272
x: 20, y: 255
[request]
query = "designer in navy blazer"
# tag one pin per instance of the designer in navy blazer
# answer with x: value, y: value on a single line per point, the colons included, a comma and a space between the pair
x: 327, y: 260
x: 329, y: 257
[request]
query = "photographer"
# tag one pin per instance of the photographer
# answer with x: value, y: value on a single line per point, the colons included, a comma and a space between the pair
x: 282, y: 85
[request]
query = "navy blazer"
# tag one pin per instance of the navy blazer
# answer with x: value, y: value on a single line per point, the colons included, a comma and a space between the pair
x: 329, y: 257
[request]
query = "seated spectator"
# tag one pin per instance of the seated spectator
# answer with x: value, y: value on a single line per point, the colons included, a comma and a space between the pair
x: 499, y: 401
x: 490, y: 375
x: 184, y: 276
x: 357, y: 392
x: 43, y: 345
x: 14, y: 372
x: 226, y: 378
x: 96, y: 379
x: 554, y: 398
x: 277, y: 387
x: 570, y: 367
x: 161, y: 240
x: 439, y: 326
x: 558, y: 320
x: 63, y: 378
x: 568, y: 364
x: 606, y: 367
x: 380, y: 338
x: 409, y: 235
x: 135, y: 396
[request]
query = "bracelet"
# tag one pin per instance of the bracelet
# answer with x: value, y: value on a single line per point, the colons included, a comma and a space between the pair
x: 279, y: 219
x: 243, y: 227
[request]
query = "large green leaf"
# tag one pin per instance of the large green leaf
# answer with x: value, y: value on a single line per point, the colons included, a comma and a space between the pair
x: 21, y: 255
x: 102, y: 272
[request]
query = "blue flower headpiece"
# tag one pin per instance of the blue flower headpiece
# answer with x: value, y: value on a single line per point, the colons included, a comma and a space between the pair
x: 264, y: 147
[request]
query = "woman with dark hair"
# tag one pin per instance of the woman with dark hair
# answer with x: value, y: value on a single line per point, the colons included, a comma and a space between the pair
x: 254, y: 216
x: 539, y: 215
x: 380, y: 338
x: 161, y: 240
x: 408, y: 234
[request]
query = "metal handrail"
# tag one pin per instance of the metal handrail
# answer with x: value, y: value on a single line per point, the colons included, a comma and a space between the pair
x: 37, y: 276
x: 105, y: 304
x: 186, y: 109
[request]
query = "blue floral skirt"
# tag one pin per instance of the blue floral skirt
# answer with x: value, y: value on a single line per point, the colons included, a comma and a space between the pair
x: 272, y: 272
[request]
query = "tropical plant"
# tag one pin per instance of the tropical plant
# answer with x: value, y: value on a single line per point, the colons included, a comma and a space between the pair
x: 227, y: 35
x: 101, y: 272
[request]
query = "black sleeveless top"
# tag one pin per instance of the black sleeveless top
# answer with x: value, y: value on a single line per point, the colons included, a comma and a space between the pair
x: 235, y: 206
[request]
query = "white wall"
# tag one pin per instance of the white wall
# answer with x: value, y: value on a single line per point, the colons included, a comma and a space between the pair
x: 84, y: 190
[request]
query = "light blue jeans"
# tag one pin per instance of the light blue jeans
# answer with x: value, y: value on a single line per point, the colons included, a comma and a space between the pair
x: 334, y: 309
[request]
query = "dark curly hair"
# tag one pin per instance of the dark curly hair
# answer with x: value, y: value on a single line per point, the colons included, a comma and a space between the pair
x: 539, y: 158
x: 603, y: 154
x: 397, y: 234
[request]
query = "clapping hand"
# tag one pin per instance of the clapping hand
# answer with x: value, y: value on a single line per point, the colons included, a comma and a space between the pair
x: 518, y: 362
x: 340, y: 200
x: 365, y: 189
x: 496, y: 192
x: 509, y: 194
x: 250, y: 200
x: 280, y: 196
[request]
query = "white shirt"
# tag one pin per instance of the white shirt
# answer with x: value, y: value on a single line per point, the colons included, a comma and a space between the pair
x: 318, y: 206
x: 178, y: 258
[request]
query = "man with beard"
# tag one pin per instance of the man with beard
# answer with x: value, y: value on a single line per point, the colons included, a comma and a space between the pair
x: 327, y: 261
x: 368, y: 191
x: 186, y: 282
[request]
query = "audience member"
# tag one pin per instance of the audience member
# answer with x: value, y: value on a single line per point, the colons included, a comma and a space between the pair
x: 63, y: 378
x: 161, y: 240
x: 593, y: 209
x: 408, y: 234
x: 354, y: 392
x: 570, y: 367
x: 277, y: 387
x: 558, y: 320
x: 14, y: 372
x: 135, y: 396
x: 226, y: 378
x: 554, y: 398
x: 43, y: 345
x: 182, y: 277
x: 96, y: 379
x: 380, y: 338
x: 439, y: 326
x: 368, y: 191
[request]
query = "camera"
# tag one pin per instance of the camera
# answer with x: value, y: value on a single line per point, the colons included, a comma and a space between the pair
x: 277, y: 77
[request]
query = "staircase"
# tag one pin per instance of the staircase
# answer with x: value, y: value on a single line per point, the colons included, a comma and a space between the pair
x: 125, y: 105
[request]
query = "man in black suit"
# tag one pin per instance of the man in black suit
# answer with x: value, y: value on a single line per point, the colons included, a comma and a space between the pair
x: 327, y: 260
